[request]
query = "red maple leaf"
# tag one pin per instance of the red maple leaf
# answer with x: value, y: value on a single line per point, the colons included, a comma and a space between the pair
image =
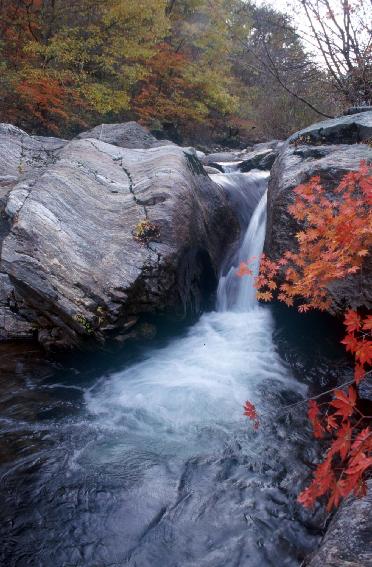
x: 352, y: 321
x: 359, y: 373
x: 367, y: 324
x: 342, y: 443
x: 343, y: 403
x: 250, y: 411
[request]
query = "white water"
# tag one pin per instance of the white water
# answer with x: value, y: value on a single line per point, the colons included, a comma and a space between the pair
x: 205, y: 377
x: 159, y: 468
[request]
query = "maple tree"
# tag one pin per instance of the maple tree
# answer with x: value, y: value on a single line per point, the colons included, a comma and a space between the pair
x: 334, y: 241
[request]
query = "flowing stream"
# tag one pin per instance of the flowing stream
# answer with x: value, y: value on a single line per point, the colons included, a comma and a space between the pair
x: 153, y: 464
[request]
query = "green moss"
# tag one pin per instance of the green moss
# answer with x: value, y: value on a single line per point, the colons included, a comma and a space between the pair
x: 84, y: 323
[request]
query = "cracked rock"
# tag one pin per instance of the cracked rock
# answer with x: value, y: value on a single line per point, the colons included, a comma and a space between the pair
x: 69, y: 252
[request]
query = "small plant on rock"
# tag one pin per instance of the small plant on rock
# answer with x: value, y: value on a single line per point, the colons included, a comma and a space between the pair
x: 146, y: 231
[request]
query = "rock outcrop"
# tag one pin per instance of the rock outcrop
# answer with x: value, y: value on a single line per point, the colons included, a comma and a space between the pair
x: 260, y: 156
x: 348, y: 541
x: 350, y: 129
x: 96, y: 236
x: 125, y: 135
x: 258, y: 159
x: 329, y: 149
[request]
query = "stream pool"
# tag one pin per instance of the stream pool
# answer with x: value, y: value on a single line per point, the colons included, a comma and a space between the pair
x: 146, y: 459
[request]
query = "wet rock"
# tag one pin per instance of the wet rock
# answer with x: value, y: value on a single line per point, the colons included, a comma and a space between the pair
x: 271, y: 145
x: 12, y: 325
x: 224, y: 157
x: 348, y: 541
x: 295, y: 165
x: 258, y: 159
x: 211, y: 170
x: 78, y: 273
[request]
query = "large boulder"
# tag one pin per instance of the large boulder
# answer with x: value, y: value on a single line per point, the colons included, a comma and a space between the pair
x: 125, y: 135
x: 348, y: 540
x: 350, y: 129
x: 101, y: 236
x: 300, y: 159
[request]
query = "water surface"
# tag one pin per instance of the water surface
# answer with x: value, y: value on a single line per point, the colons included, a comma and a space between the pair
x: 148, y: 460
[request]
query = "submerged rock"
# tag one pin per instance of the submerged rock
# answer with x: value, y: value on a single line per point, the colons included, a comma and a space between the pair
x: 298, y: 161
x: 101, y: 235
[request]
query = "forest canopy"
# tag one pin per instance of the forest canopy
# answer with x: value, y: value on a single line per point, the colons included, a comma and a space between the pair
x: 188, y: 69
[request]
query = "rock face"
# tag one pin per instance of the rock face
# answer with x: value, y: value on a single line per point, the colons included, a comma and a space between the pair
x: 20, y: 155
x: 258, y: 159
x: 348, y: 541
x: 125, y: 135
x: 351, y: 129
x: 314, y: 151
x: 99, y: 235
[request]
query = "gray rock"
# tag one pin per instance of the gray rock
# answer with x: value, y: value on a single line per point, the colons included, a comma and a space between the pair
x: 199, y: 154
x: 160, y: 143
x: 351, y: 129
x: 21, y: 153
x: 211, y: 170
x: 104, y: 235
x: 258, y: 159
x: 125, y: 135
x: 357, y: 110
x: 21, y: 156
x: 348, y: 541
x: 297, y: 165
x: 223, y: 157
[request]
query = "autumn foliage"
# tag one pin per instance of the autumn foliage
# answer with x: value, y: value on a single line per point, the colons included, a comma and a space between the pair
x: 67, y: 64
x: 346, y: 425
x: 336, y: 237
x: 333, y: 244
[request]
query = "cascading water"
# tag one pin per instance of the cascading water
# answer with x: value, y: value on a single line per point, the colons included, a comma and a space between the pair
x: 239, y: 294
x: 161, y: 469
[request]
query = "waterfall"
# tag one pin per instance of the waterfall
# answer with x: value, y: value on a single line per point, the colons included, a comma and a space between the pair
x: 218, y: 364
x: 234, y: 293
x: 152, y: 463
x: 239, y: 294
